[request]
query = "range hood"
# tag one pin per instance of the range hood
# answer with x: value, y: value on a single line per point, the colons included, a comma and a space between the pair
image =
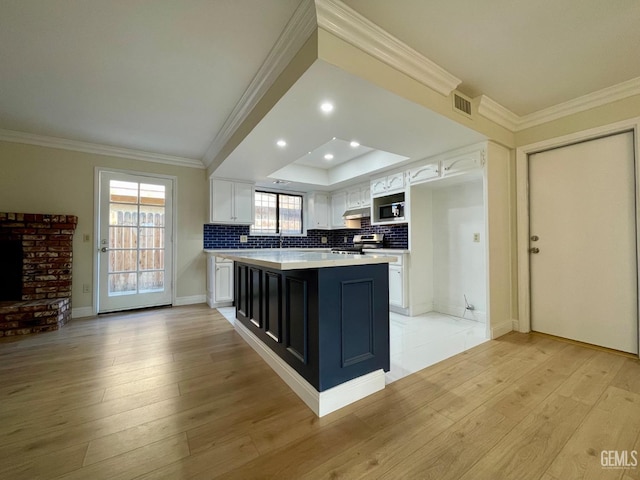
x: 356, y: 213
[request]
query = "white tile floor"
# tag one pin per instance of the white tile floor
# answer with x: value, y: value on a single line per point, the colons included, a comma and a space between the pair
x: 417, y: 342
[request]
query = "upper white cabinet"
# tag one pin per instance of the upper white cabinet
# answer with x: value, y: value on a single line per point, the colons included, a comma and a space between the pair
x: 318, y: 211
x: 463, y: 163
x: 385, y: 185
x: 359, y: 197
x: 424, y: 173
x: 338, y: 207
x: 231, y: 202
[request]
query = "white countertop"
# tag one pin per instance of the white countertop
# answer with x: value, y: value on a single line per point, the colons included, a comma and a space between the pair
x: 290, y: 259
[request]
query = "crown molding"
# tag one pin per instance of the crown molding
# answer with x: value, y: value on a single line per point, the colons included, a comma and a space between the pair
x: 502, y: 116
x: 297, y: 31
x: 65, y: 144
x: 495, y: 112
x: 344, y: 22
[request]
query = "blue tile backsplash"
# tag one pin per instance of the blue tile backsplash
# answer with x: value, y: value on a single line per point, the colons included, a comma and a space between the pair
x: 228, y: 236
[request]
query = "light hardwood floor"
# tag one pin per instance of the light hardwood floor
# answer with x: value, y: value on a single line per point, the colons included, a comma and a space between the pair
x: 176, y: 393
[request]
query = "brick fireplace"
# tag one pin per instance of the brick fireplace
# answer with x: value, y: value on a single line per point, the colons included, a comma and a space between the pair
x: 36, y: 255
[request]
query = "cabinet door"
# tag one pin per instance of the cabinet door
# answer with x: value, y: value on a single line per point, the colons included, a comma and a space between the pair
x: 243, y: 203
x: 378, y: 186
x: 224, y: 282
x: 395, y: 181
x: 354, y: 199
x: 221, y: 201
x: 319, y: 211
x: 338, y: 207
x: 365, y: 193
x: 395, y: 286
x: 424, y: 173
x: 462, y: 163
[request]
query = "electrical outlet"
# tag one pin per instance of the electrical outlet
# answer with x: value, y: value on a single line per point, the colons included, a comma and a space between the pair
x: 86, y: 288
x: 344, y: 240
x: 476, y: 237
x: 86, y: 237
x: 323, y: 240
x: 243, y: 239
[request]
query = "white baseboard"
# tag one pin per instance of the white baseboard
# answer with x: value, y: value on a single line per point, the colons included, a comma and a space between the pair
x: 501, y: 329
x: 82, y: 312
x: 515, y: 324
x: 322, y: 403
x: 191, y: 300
x: 420, y: 308
x: 400, y: 310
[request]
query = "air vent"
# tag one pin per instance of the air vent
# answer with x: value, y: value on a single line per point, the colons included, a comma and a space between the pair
x: 462, y: 104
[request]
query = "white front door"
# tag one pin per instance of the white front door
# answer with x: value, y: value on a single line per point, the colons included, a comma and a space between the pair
x: 135, y: 236
x: 583, y: 225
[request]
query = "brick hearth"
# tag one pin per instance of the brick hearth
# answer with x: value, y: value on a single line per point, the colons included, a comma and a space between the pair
x: 47, y: 246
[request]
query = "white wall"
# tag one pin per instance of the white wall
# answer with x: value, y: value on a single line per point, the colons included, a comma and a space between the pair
x: 459, y: 263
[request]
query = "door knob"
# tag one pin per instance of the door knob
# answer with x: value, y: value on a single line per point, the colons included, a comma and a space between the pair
x: 535, y: 238
x: 534, y: 250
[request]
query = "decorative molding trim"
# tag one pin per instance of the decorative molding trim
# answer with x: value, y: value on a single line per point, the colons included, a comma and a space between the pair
x: 501, y: 329
x: 82, y: 312
x: 337, y: 18
x: 322, y: 403
x: 297, y: 31
x: 495, y: 112
x: 580, y: 104
x: 515, y: 325
x: 75, y: 145
x: 190, y: 300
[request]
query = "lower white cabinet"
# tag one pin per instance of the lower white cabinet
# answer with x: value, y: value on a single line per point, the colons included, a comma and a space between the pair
x: 398, y: 284
x: 219, y: 282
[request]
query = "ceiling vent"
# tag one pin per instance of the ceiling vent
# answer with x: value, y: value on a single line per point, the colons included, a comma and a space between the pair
x: 462, y: 104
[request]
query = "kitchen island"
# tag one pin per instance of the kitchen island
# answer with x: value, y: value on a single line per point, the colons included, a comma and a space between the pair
x: 321, y: 320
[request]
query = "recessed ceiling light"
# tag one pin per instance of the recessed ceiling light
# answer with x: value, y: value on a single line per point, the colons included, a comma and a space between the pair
x: 354, y: 144
x: 281, y: 143
x: 326, y: 107
x: 328, y: 156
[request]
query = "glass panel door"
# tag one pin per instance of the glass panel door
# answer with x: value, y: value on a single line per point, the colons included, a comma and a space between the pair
x: 135, y: 237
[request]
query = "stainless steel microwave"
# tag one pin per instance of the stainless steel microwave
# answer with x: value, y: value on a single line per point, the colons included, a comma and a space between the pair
x: 391, y: 211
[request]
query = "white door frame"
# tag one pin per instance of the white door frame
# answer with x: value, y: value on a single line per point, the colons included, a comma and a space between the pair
x: 96, y: 227
x: 522, y: 194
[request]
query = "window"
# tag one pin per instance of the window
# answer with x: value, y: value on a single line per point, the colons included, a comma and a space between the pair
x: 277, y: 213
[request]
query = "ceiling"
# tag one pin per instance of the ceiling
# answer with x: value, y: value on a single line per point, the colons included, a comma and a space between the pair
x: 526, y: 55
x: 164, y: 76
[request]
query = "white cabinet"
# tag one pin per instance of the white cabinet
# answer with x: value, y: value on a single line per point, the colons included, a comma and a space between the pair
x: 359, y: 197
x: 463, y: 163
x: 231, y: 202
x: 318, y: 211
x: 338, y: 207
x: 424, y: 173
x: 389, y: 184
x: 398, y: 284
x: 219, y: 282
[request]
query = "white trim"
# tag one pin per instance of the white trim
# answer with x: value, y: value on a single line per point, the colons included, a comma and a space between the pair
x: 82, y: 312
x: 342, y: 21
x: 495, y: 112
x: 95, y: 148
x: 515, y: 325
x: 297, y: 31
x: 522, y: 195
x: 501, y: 329
x: 189, y: 300
x: 322, y: 403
